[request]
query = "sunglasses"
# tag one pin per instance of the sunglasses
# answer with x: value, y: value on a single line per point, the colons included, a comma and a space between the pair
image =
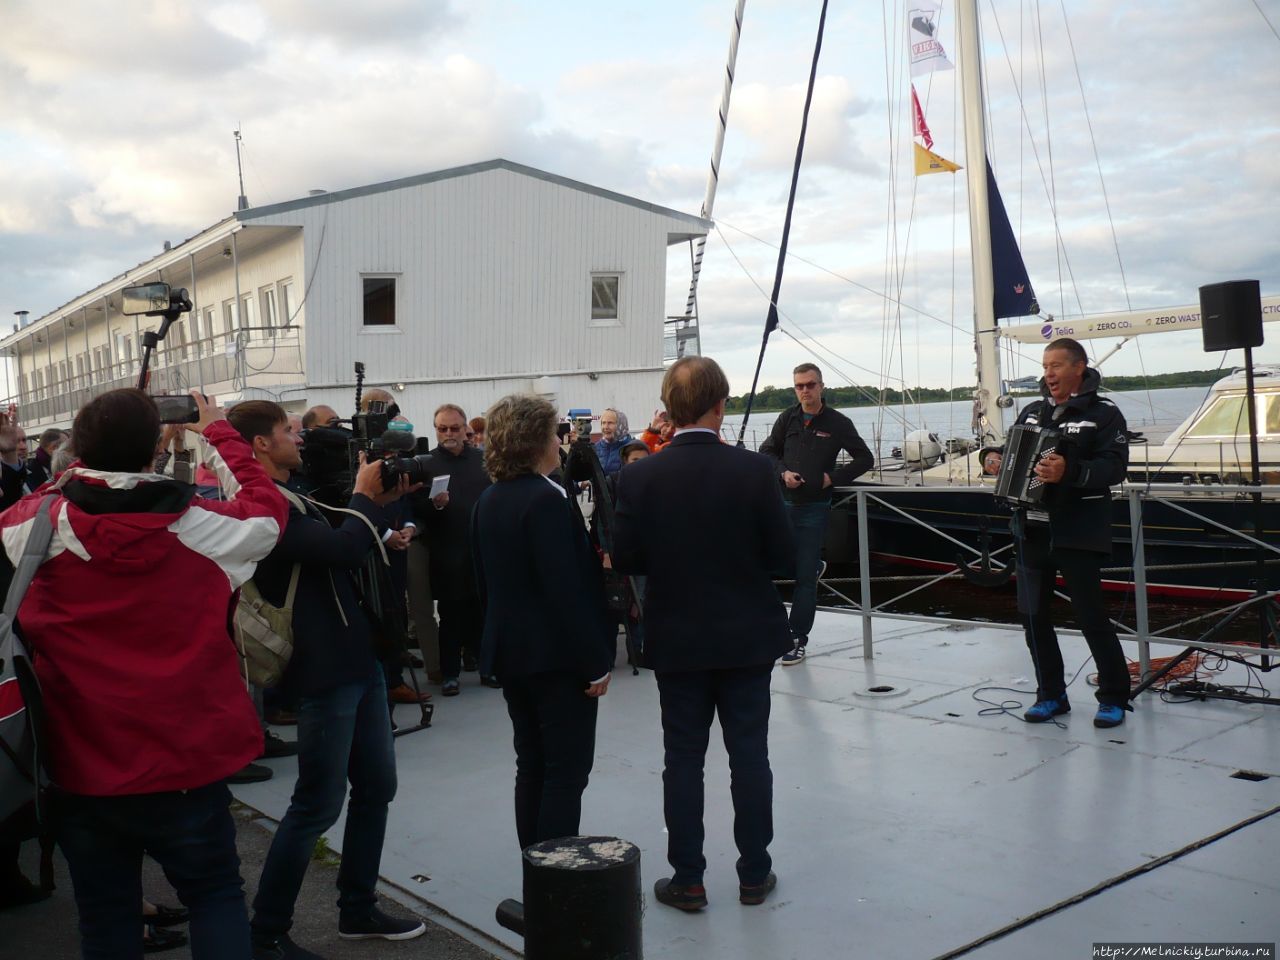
x: 808, y: 385
x: 449, y: 429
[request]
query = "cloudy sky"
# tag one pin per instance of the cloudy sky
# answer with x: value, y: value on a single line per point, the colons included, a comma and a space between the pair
x: 116, y: 120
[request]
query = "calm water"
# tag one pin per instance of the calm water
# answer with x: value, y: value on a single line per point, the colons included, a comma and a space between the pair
x: 1154, y: 413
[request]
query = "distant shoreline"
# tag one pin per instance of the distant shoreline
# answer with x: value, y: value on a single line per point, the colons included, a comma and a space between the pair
x: 773, y: 399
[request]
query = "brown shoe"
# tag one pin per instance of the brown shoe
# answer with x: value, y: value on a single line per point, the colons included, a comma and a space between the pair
x: 755, y: 893
x: 687, y: 898
x: 405, y: 694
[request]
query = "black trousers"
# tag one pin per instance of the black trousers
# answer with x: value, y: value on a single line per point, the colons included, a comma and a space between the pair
x: 690, y: 701
x: 1038, y: 564
x: 461, y: 620
x: 554, y: 727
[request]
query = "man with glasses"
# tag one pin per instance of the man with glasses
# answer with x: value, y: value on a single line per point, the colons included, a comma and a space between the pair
x: 446, y: 522
x: 804, y: 444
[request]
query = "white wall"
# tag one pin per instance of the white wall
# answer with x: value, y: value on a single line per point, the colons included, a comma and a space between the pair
x: 494, y: 278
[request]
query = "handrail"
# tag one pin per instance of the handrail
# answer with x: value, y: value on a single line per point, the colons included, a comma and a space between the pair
x: 1135, y: 493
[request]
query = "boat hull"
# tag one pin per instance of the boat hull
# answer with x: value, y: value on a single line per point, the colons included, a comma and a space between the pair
x: 1186, y: 557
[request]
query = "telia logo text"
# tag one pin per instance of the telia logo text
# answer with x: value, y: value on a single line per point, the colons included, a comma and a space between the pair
x: 1046, y: 331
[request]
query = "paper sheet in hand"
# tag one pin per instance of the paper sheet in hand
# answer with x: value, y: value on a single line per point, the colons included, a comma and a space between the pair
x: 439, y: 485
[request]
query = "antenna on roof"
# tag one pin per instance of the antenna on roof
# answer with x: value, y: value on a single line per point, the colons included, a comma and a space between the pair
x: 242, y: 203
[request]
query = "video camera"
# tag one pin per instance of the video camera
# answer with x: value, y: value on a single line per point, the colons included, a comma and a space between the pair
x: 331, y: 454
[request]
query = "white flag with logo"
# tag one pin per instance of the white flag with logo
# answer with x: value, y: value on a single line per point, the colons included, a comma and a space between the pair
x: 927, y: 54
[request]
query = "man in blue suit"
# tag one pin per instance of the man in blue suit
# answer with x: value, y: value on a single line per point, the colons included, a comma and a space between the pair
x: 706, y: 524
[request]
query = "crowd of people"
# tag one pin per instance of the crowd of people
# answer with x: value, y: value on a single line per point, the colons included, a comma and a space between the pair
x: 148, y: 565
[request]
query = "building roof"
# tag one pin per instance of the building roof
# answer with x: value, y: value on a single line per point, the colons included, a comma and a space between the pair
x: 465, y: 171
x: 217, y: 230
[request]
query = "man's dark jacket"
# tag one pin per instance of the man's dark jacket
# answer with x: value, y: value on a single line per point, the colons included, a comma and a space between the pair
x: 1095, y: 447
x: 705, y: 522
x: 14, y: 485
x: 811, y: 451
x: 326, y: 651
x: 541, y: 584
x: 448, y: 531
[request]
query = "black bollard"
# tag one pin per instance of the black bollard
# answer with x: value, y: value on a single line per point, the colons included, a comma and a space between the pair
x: 582, y: 900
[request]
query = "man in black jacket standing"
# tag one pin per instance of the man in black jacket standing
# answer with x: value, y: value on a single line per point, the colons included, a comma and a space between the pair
x: 446, y: 522
x: 344, y: 725
x: 803, y: 445
x: 1072, y: 533
x: 705, y: 522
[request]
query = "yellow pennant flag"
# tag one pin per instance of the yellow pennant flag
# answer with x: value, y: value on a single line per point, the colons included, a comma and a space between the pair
x: 929, y: 162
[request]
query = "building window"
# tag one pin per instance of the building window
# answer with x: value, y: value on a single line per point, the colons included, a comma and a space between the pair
x: 267, y: 298
x: 379, y: 301
x: 229, y: 319
x: 246, y: 315
x: 288, y: 303
x: 606, y: 289
x: 80, y: 380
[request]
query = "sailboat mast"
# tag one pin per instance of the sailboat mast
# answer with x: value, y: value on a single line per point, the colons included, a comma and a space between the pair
x: 713, y: 178
x: 988, y: 421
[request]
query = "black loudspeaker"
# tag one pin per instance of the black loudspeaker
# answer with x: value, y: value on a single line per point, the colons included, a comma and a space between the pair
x: 1231, y: 315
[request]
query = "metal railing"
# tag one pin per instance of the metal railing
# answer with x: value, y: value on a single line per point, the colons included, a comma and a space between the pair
x: 242, y: 357
x: 1175, y: 496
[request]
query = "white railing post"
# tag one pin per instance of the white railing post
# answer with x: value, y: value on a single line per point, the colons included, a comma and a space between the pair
x: 1138, y: 549
x: 864, y: 573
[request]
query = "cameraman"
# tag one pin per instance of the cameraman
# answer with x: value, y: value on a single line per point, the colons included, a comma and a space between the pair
x: 344, y: 725
x: 146, y: 708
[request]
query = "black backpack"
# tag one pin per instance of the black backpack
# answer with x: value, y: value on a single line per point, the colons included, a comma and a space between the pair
x: 24, y: 784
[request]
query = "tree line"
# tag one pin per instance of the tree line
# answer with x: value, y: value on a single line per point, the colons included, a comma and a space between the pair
x: 773, y: 398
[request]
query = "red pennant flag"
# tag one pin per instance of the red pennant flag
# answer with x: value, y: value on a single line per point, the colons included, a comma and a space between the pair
x: 919, y: 127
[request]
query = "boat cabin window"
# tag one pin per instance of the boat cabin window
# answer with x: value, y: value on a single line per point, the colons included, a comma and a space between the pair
x: 1226, y: 417
x: 1271, y: 415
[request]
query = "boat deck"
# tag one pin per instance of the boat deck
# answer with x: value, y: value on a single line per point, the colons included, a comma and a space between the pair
x: 907, y: 824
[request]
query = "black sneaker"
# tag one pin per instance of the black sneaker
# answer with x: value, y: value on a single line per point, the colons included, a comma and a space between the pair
x: 251, y: 773
x: 689, y: 897
x: 755, y: 893
x: 280, y: 948
x: 794, y: 655
x: 492, y: 682
x: 274, y: 746
x: 378, y: 926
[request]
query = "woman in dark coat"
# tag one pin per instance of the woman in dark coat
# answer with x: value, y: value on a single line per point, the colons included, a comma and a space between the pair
x: 547, y: 633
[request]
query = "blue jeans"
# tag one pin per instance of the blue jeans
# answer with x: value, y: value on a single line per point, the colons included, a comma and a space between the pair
x: 189, y: 833
x: 344, y: 734
x: 809, y: 526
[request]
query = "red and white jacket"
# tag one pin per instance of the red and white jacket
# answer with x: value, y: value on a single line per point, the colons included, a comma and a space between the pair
x: 128, y: 619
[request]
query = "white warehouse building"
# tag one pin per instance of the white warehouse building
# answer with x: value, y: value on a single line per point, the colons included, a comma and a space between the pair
x: 456, y: 286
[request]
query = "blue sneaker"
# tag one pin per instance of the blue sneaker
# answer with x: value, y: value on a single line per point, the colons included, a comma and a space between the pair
x: 1109, y: 715
x: 1044, y: 710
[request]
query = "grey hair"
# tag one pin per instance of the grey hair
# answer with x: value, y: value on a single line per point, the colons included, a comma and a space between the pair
x: 62, y: 457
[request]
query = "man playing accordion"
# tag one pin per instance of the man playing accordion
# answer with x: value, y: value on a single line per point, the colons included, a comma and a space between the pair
x: 1069, y: 530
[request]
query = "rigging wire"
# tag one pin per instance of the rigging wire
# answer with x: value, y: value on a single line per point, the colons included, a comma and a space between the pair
x: 1267, y: 19
x: 813, y: 340
x: 792, y: 255
x: 1048, y: 137
x: 1035, y: 152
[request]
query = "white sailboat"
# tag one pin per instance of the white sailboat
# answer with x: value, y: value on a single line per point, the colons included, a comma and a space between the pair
x: 1209, y: 450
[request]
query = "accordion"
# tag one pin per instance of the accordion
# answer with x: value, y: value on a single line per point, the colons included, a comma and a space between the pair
x: 1025, y: 446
